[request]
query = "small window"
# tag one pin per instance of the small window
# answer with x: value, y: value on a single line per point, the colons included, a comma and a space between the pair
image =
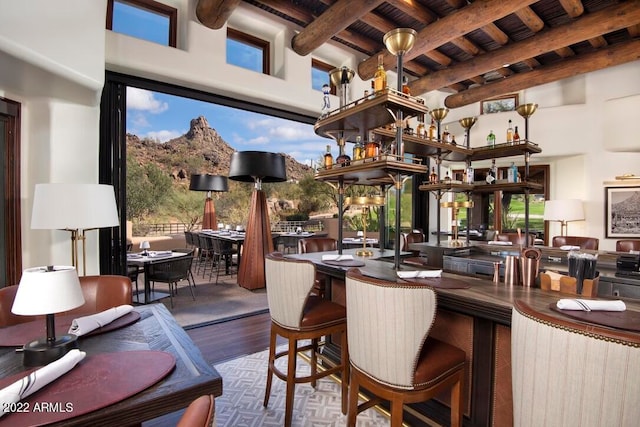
x: 143, y: 19
x: 320, y: 75
x: 247, y: 51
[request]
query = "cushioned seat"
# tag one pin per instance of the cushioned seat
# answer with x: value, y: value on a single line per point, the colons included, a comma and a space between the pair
x: 583, y: 242
x: 627, y: 245
x: 390, y: 352
x: 297, y: 315
x: 568, y: 373
x: 100, y: 293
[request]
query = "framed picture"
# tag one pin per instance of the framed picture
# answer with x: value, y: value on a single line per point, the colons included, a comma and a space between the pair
x: 500, y: 104
x: 622, y: 211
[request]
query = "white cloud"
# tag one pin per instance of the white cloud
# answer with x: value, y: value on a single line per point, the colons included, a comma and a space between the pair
x: 164, y: 135
x: 144, y: 100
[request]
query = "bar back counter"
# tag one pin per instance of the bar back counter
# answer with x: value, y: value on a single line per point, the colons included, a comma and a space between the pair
x: 475, y: 318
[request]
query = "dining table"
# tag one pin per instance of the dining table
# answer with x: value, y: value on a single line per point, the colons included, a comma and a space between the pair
x: 143, y: 260
x: 154, y: 348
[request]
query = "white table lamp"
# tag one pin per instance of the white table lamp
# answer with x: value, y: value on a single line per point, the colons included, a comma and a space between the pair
x: 563, y: 211
x: 46, y: 291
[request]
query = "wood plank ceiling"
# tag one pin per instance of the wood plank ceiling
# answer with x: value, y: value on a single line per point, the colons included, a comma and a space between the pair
x: 473, y: 49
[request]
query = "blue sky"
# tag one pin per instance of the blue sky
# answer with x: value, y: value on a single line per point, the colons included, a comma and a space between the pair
x: 163, y: 117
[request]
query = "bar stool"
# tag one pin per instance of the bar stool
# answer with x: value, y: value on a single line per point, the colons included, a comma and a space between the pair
x: 566, y: 372
x: 297, y: 315
x: 390, y: 351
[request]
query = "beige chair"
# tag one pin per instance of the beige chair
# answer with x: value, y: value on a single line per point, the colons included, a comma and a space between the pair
x: 100, y: 293
x: 583, y: 242
x: 297, y: 315
x: 567, y: 373
x: 200, y: 413
x: 627, y: 245
x: 390, y: 352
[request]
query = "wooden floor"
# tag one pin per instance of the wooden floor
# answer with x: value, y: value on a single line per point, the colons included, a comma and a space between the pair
x: 225, y: 341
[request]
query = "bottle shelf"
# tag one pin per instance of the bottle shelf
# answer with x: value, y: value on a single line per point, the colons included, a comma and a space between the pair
x: 361, y: 115
x: 370, y: 171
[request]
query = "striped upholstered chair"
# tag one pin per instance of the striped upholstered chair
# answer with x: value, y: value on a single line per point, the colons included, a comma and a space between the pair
x: 567, y: 373
x: 390, y: 351
x: 297, y: 315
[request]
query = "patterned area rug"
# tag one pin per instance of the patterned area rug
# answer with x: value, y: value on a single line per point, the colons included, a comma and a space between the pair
x: 241, y: 402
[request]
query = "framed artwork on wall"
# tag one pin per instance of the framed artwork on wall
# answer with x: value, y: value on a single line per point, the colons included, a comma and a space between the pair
x: 622, y: 212
x: 499, y: 104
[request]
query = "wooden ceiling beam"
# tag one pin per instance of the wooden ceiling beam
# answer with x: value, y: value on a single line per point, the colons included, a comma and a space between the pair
x: 457, y: 24
x: 335, y: 19
x: 617, y: 54
x: 592, y: 25
x: 215, y: 13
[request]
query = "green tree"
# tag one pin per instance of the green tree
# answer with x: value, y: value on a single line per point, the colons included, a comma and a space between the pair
x: 147, y: 187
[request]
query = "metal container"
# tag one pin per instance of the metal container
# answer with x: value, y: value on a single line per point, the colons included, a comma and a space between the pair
x: 511, y: 270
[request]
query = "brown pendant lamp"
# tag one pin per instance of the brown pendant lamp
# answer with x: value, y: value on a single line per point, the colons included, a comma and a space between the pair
x: 256, y: 167
x: 209, y: 183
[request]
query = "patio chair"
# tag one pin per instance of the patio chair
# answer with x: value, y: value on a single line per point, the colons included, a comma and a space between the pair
x: 171, y: 271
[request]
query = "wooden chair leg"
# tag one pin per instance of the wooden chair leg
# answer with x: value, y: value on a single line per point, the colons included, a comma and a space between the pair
x: 291, y: 384
x: 272, y: 357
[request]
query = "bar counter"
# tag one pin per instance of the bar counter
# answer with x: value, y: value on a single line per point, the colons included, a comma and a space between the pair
x: 476, y: 320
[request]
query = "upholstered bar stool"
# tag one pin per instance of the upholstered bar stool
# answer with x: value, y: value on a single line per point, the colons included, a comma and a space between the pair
x: 298, y: 315
x: 390, y: 352
x: 567, y: 373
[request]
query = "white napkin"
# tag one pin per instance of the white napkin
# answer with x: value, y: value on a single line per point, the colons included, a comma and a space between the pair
x: 84, y: 325
x: 159, y: 254
x: 569, y: 247
x: 33, y: 382
x: 329, y: 257
x: 590, y: 304
x: 420, y: 274
x: 499, y: 243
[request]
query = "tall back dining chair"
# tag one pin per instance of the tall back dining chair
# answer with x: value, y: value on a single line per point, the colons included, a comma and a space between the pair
x: 567, y: 373
x: 390, y: 351
x: 318, y: 244
x: 297, y: 315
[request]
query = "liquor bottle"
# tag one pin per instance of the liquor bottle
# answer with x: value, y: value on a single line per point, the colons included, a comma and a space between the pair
x: 420, y: 128
x: 328, y: 158
x: 493, y: 172
x: 491, y: 139
x: 510, y: 133
x: 433, y: 178
x: 516, y: 135
x: 343, y: 158
x: 405, y: 86
x: 432, y: 130
x: 445, y: 135
x: 380, y: 76
x: 358, y: 149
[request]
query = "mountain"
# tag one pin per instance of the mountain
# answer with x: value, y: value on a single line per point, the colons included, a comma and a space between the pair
x: 200, y: 150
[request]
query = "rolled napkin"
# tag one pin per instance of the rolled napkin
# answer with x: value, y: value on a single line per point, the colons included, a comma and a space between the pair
x: 33, y: 382
x: 591, y: 305
x: 84, y: 325
x: 419, y: 274
x: 330, y: 257
x: 569, y: 247
x: 499, y: 243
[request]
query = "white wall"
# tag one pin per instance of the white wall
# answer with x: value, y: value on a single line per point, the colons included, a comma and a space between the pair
x: 57, y: 72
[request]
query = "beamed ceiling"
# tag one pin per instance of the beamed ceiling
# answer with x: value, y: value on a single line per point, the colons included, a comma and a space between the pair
x: 472, y: 49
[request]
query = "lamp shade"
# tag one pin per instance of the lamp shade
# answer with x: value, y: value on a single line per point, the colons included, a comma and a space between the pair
x: 74, y: 206
x: 206, y: 182
x: 48, y: 290
x: 563, y: 210
x: 248, y: 166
